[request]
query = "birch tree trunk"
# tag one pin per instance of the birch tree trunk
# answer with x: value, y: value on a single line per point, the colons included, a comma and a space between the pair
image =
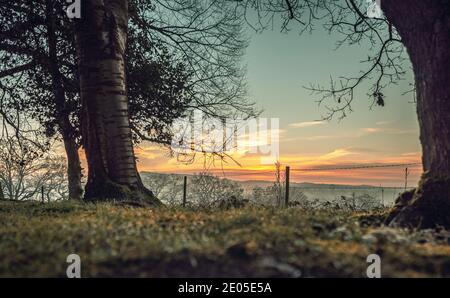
x: 425, y: 30
x: 101, y: 36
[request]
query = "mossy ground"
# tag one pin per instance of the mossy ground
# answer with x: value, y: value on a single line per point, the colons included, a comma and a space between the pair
x: 35, y: 240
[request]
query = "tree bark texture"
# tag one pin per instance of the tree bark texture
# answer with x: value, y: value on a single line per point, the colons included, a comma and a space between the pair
x: 424, y: 27
x: 101, y: 36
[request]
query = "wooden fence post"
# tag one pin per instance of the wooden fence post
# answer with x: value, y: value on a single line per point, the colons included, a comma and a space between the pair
x: 184, y: 190
x: 2, y: 195
x: 286, y: 196
x: 406, y: 178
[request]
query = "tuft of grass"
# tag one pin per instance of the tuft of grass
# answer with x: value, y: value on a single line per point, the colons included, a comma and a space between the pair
x: 112, y: 240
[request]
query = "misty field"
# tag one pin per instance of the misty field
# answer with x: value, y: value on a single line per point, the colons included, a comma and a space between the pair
x: 113, y: 240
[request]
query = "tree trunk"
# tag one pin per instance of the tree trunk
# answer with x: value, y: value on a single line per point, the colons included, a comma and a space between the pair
x: 425, y: 30
x: 73, y: 167
x: 101, y: 36
x: 65, y: 127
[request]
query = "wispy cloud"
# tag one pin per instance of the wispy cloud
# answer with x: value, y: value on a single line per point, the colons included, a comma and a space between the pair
x: 319, y: 138
x: 391, y: 131
x: 336, y: 154
x: 306, y: 124
x: 365, y: 150
x: 416, y: 153
x: 380, y: 123
x: 371, y: 130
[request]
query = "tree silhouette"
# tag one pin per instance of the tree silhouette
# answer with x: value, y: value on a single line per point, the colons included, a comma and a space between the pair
x: 40, y: 79
x: 161, y: 84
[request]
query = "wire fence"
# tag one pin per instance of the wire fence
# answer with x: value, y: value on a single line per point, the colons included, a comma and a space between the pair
x: 386, y: 195
x: 292, y: 183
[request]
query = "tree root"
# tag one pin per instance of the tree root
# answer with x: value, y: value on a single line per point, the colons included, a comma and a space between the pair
x: 109, y: 191
x: 428, y: 206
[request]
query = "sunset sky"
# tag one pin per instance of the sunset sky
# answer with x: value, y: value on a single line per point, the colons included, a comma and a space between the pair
x: 279, y: 66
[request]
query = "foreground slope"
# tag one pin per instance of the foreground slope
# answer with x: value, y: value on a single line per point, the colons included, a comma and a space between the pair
x: 111, y: 240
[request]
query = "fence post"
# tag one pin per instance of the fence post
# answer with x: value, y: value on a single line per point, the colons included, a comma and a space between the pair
x: 184, y: 190
x: 2, y: 195
x: 286, y: 197
x: 406, y: 178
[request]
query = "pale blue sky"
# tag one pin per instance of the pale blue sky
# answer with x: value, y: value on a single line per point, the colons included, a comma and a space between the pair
x: 280, y: 64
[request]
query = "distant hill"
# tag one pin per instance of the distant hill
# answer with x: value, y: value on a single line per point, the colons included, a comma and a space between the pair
x: 250, y: 184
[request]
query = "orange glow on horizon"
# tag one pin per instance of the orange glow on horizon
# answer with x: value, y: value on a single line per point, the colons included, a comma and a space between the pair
x: 152, y: 159
x: 157, y: 159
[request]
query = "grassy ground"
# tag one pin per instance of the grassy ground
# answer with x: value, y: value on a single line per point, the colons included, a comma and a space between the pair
x: 35, y: 240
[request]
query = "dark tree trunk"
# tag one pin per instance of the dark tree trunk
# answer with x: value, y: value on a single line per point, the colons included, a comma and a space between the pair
x: 425, y: 30
x: 101, y: 36
x: 74, y: 174
x: 70, y: 144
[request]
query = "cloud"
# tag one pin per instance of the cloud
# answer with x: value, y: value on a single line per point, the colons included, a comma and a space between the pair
x: 415, y: 153
x: 403, y: 131
x: 364, y: 150
x: 306, y: 124
x: 384, y: 122
x: 391, y: 131
x: 371, y: 130
x: 253, y: 140
x: 337, y: 153
x: 319, y: 138
x: 150, y: 152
